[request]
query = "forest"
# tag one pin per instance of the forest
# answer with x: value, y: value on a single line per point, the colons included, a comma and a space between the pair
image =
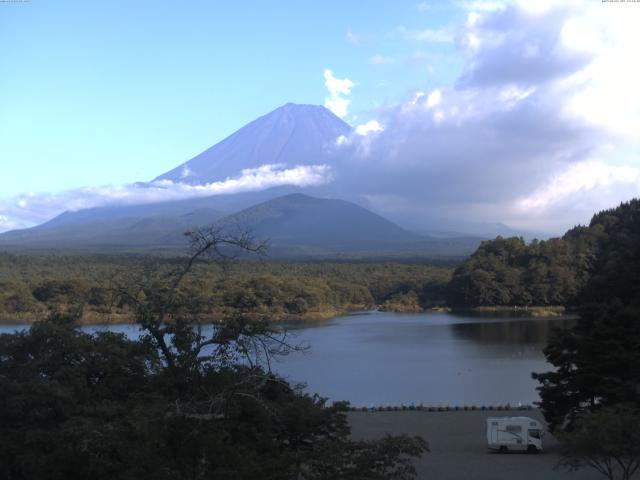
x: 32, y: 286
x: 508, y: 271
x: 591, y: 396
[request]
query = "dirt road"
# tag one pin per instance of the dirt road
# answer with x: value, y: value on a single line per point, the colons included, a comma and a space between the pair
x: 458, y: 446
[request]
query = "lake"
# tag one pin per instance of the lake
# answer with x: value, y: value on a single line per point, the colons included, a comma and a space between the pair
x: 431, y: 358
x: 434, y: 358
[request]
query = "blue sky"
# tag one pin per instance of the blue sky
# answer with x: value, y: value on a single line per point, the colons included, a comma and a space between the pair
x: 518, y: 111
x: 120, y: 91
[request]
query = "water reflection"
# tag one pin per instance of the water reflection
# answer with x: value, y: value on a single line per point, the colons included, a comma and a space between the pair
x: 433, y: 358
x: 438, y: 358
x: 510, y: 331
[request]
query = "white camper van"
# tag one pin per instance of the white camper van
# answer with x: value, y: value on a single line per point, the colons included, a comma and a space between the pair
x: 514, y: 434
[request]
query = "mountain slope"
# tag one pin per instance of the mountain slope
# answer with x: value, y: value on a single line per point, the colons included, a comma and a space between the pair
x: 295, y: 225
x: 134, y: 225
x: 122, y: 233
x: 327, y: 224
x: 290, y: 135
x: 301, y: 226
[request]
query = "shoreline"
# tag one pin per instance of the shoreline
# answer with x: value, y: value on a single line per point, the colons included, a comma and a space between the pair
x: 534, y: 310
x: 97, y: 318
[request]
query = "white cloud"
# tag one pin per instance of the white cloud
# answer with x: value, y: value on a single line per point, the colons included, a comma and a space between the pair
x: 606, y: 91
x: 5, y: 223
x: 540, y: 7
x: 338, y: 105
x: 436, y: 35
x: 337, y: 86
x: 31, y: 209
x: 360, y: 140
x: 573, y: 195
x: 381, y: 60
x: 355, y: 38
x: 186, y: 172
x: 372, y: 126
x: 543, y: 92
x: 416, y: 57
x: 434, y: 98
x: 417, y: 96
x: 586, y: 176
x: 338, y: 89
x: 482, y: 5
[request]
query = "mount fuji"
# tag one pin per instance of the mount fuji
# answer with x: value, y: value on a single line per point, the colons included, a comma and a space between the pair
x: 290, y: 136
x: 321, y: 220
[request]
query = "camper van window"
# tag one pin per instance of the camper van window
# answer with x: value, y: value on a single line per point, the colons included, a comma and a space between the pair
x: 514, y: 428
x: 534, y: 433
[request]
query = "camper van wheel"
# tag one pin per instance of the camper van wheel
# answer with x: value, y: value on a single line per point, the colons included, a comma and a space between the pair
x: 532, y: 449
x: 503, y: 449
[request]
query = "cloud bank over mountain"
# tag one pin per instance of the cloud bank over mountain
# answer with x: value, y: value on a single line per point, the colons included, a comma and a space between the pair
x: 33, y: 208
x: 540, y: 129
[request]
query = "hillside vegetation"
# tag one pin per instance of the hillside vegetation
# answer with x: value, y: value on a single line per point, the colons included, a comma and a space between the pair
x: 591, y: 396
x: 507, y: 271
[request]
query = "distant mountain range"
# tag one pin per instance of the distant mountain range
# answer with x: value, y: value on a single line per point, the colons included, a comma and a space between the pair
x: 133, y: 226
x: 323, y: 221
x: 295, y: 225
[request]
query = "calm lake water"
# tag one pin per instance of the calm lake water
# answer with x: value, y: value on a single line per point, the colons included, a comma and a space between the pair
x: 431, y: 358
x: 380, y: 358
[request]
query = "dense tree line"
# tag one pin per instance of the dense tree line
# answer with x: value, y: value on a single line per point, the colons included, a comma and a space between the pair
x: 591, y: 399
x: 508, y: 271
x: 32, y: 286
x: 598, y: 359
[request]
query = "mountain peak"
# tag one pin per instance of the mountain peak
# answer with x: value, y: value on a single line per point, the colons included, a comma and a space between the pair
x: 324, y: 224
x: 302, y: 111
x: 303, y: 108
x: 300, y: 106
x: 292, y: 134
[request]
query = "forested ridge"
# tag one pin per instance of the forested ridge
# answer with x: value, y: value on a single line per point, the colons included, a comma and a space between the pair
x: 559, y: 271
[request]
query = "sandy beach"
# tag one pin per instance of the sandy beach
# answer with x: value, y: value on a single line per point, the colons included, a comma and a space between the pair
x: 458, y: 446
